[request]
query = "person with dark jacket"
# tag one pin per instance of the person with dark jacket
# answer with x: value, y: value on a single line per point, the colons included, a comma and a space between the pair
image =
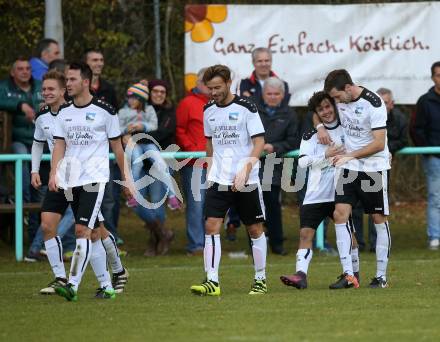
x: 190, y: 137
x: 20, y: 95
x: 282, y: 128
x: 425, y: 131
x: 253, y: 86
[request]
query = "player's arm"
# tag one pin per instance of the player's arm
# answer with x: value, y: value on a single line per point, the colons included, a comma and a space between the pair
x: 36, y: 154
x: 117, y: 149
x: 57, y: 155
x: 323, y: 136
x: 209, y: 152
x: 242, y: 176
x: 309, y: 158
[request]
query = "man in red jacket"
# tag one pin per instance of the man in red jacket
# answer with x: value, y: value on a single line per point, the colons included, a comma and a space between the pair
x: 190, y: 137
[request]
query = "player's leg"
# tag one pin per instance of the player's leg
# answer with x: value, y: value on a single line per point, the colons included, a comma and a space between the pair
x: 218, y: 200
x: 354, y: 250
x: 375, y: 201
x: 86, y: 203
x: 250, y: 206
x: 119, y: 273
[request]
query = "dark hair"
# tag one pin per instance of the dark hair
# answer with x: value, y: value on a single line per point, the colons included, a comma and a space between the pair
x: 435, y: 65
x: 337, y: 79
x: 84, y: 69
x: 58, y: 64
x: 44, y: 44
x: 219, y: 70
x: 57, y: 76
x: 317, y: 98
x: 90, y: 50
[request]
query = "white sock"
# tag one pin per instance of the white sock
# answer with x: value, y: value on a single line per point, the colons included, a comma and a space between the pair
x: 343, y: 241
x: 212, y: 254
x: 355, y: 259
x: 98, y: 260
x: 112, y: 254
x: 81, y: 257
x: 259, y: 252
x: 54, y: 250
x: 383, y: 245
x: 303, y: 258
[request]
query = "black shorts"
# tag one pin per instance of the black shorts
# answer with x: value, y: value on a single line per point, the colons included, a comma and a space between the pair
x: 249, y: 204
x: 371, y: 188
x: 311, y: 215
x: 85, y: 202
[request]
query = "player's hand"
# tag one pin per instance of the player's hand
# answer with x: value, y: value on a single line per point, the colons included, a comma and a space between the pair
x: 341, y: 159
x: 334, y: 150
x: 35, y: 180
x: 28, y: 111
x: 53, y: 186
x: 268, y: 148
x: 241, y: 179
x: 323, y: 136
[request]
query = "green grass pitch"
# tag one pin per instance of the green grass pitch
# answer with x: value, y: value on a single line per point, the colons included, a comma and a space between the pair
x: 158, y: 306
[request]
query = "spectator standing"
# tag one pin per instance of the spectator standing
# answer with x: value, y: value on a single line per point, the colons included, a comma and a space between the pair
x: 48, y: 50
x: 253, y: 86
x: 425, y: 131
x: 20, y: 95
x: 282, y: 129
x: 190, y: 137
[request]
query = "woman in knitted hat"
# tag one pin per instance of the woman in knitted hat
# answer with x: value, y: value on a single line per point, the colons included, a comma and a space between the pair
x: 140, y: 117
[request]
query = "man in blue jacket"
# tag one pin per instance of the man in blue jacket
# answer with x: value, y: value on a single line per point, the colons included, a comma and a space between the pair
x: 48, y: 50
x: 425, y: 131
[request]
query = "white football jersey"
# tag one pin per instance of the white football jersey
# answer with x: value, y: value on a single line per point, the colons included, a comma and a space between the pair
x: 359, y: 119
x: 45, y: 126
x: 321, y: 173
x: 86, y: 131
x: 231, y: 129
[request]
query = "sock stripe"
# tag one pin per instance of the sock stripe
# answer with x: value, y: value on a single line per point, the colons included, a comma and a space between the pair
x: 87, y: 254
x: 213, y: 251
x: 59, y: 248
x: 110, y: 235
x: 351, y: 237
x: 389, y: 239
x: 307, y: 254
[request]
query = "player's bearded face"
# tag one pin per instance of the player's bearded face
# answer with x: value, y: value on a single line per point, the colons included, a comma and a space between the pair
x: 75, y: 83
x: 341, y: 96
x: 218, y: 89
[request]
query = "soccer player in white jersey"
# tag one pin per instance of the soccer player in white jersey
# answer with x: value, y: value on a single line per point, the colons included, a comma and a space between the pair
x: 235, y: 141
x: 55, y: 203
x: 320, y: 196
x: 83, y: 128
x: 365, y: 165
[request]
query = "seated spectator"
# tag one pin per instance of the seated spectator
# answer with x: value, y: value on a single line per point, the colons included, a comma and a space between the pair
x: 20, y: 95
x: 252, y: 86
x: 47, y: 51
x: 190, y: 137
x: 282, y: 134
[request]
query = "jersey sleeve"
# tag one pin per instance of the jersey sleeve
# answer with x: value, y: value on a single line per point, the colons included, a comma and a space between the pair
x: 308, y: 156
x: 207, y: 130
x: 39, y: 132
x: 59, y: 132
x: 254, y: 125
x: 112, y: 127
x: 378, y: 117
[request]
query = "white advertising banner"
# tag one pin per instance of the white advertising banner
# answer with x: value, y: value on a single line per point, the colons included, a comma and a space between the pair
x: 381, y: 45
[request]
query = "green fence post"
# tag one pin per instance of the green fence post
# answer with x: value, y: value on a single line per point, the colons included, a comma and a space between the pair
x: 320, y: 236
x: 19, y: 209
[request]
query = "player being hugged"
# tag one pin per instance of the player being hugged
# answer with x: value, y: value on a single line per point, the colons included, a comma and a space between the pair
x: 235, y: 141
x: 319, y: 201
x: 83, y: 128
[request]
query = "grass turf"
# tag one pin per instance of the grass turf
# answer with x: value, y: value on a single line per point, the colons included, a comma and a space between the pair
x: 158, y: 305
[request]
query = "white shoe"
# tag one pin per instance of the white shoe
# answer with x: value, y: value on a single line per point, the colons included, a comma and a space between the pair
x: 50, y: 289
x: 434, y: 244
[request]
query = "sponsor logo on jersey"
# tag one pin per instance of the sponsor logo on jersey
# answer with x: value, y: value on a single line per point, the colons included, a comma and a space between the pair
x: 358, y: 110
x: 68, y: 120
x: 90, y: 116
x: 233, y: 116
